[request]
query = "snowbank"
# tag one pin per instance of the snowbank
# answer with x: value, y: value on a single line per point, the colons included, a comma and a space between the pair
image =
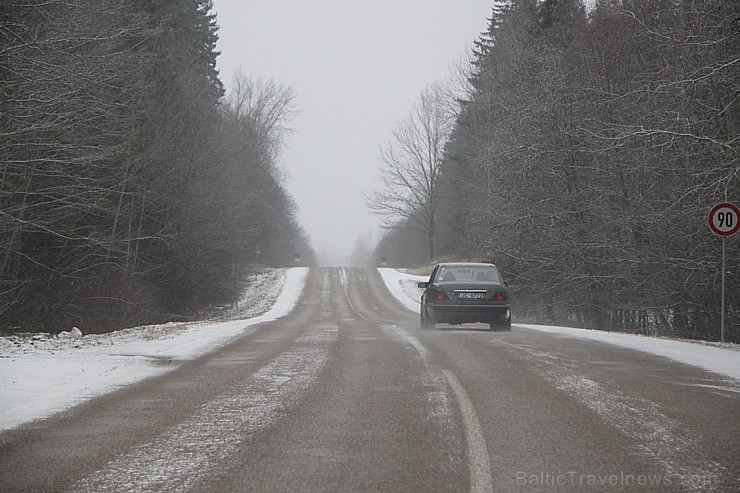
x: 41, y: 374
x: 722, y: 360
x: 404, y: 287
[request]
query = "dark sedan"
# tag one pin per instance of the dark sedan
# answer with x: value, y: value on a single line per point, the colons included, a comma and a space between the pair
x: 458, y: 293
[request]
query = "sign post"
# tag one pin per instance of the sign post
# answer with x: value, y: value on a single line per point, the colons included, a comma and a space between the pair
x: 724, y: 220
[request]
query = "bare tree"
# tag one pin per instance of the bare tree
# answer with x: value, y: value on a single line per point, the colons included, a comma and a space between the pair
x: 262, y: 109
x: 410, y: 165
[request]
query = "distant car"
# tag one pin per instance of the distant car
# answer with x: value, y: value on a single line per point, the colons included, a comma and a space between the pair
x: 458, y: 293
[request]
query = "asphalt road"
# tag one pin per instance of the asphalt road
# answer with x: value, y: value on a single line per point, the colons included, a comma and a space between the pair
x: 348, y: 394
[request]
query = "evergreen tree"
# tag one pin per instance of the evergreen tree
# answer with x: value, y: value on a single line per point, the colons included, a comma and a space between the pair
x: 583, y: 139
x: 126, y: 190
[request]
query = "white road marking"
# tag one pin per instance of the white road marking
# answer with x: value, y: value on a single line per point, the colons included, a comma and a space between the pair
x: 345, y: 283
x: 478, y: 461
x: 479, y: 464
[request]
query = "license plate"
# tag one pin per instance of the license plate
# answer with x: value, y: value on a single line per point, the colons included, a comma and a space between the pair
x: 470, y: 296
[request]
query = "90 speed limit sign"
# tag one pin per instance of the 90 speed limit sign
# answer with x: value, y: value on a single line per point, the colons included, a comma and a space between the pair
x: 724, y: 219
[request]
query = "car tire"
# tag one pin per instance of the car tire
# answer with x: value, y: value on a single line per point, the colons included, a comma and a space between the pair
x: 427, y: 322
x: 506, y: 323
x: 500, y: 324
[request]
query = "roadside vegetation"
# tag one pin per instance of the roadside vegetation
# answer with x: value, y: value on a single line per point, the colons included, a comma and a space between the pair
x: 131, y: 190
x: 586, y: 149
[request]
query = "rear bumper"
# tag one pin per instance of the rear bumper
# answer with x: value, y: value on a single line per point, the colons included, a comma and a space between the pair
x: 468, y: 313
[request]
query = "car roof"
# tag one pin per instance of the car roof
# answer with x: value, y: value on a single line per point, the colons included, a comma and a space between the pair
x: 465, y: 264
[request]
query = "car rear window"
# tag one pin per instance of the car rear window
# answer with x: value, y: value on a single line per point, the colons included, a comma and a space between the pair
x: 468, y: 274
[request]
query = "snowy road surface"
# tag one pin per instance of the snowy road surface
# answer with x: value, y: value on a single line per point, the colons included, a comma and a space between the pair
x: 346, y: 393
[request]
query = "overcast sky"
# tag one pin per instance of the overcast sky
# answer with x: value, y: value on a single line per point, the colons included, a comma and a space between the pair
x: 356, y: 66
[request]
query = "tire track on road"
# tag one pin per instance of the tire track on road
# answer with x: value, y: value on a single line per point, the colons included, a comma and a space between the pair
x: 656, y: 435
x: 184, y: 456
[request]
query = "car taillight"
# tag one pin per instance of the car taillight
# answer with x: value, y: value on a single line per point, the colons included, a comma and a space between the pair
x: 440, y: 296
x: 500, y: 296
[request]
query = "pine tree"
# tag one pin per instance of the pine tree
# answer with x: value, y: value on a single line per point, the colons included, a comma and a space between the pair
x: 482, y: 64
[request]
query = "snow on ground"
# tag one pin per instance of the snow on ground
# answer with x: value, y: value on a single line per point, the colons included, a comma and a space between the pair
x: 722, y: 360
x: 404, y: 287
x: 42, y: 374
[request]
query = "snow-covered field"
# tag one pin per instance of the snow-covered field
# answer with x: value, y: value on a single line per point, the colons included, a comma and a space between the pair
x: 43, y: 374
x: 722, y: 360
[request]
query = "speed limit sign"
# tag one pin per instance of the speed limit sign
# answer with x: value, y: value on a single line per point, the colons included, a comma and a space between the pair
x: 724, y: 219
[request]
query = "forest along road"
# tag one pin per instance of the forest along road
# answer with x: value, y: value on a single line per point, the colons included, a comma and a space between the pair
x: 348, y: 394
